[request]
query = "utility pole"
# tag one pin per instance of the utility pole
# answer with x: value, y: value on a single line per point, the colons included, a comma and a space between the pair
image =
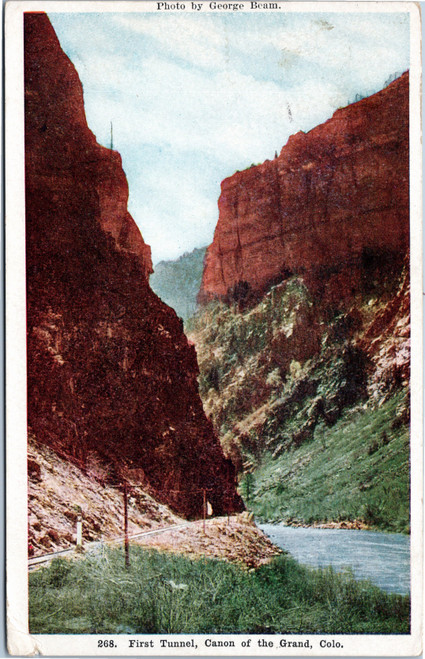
x: 127, y: 557
x: 228, y: 507
x: 112, y: 137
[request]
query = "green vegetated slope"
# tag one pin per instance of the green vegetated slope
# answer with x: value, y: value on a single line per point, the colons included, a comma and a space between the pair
x: 177, y: 282
x: 164, y: 593
x: 312, y: 404
x: 358, y: 469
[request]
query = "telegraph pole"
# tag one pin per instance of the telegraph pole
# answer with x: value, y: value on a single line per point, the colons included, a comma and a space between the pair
x: 127, y: 557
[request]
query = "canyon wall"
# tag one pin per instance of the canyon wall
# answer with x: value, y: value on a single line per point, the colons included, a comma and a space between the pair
x: 306, y: 365
x: 112, y: 380
x: 333, y: 207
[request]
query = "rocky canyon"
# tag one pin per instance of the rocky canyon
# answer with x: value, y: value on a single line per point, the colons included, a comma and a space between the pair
x: 112, y: 379
x: 303, y: 330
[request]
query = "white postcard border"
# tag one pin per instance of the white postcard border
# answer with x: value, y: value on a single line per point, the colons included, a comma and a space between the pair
x: 20, y: 642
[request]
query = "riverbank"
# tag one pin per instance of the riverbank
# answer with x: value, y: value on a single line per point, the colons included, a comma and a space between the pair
x: 162, y: 592
x: 356, y: 525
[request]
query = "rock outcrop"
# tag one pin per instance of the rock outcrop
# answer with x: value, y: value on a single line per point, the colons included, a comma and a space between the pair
x: 333, y: 207
x: 111, y: 376
x: 387, y: 342
x: 59, y: 494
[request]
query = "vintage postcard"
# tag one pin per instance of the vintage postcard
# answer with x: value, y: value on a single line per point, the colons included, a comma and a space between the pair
x: 214, y: 328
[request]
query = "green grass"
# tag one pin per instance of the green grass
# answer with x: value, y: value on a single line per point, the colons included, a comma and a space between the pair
x: 96, y: 594
x: 357, y: 469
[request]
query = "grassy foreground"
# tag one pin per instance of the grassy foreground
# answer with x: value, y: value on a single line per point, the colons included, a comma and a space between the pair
x: 165, y: 593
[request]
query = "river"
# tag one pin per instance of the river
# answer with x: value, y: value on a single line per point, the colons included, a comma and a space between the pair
x: 384, y: 558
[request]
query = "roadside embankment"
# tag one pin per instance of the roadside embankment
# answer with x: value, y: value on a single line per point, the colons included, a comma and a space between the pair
x: 235, y: 539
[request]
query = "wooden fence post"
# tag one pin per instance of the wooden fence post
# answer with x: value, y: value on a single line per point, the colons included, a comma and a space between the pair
x: 79, y: 532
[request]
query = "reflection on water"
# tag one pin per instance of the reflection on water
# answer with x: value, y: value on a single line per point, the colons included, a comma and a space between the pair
x: 384, y: 558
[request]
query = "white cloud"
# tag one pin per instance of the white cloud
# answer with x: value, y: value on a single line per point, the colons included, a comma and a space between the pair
x: 226, y: 113
x: 199, y: 42
x: 216, y: 93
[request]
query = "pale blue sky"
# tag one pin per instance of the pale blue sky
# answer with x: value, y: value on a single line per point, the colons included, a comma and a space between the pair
x: 193, y: 97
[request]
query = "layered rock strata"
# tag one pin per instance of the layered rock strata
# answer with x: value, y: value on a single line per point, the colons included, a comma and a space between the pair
x: 111, y: 376
x: 333, y: 207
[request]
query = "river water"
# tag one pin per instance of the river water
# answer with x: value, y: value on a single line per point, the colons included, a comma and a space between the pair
x: 384, y: 558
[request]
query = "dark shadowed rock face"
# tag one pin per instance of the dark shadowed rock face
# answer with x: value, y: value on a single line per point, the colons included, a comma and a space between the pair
x: 333, y: 207
x: 111, y: 375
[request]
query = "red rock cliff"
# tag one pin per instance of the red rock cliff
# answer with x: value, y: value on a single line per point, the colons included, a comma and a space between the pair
x: 332, y: 207
x: 111, y: 376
